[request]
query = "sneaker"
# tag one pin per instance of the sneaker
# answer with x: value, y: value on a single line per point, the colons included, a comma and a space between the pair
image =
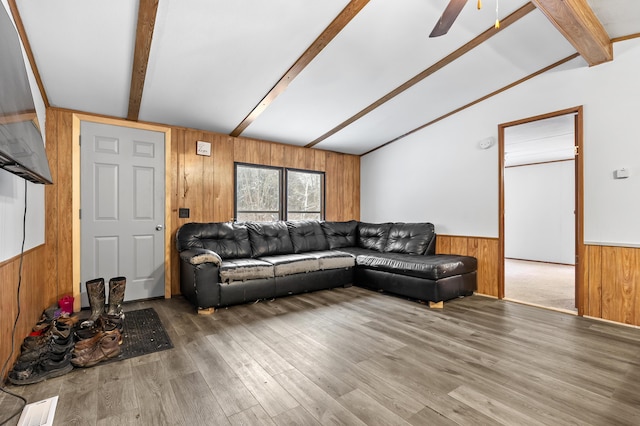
x: 43, y: 369
x: 60, y: 332
x: 53, y: 347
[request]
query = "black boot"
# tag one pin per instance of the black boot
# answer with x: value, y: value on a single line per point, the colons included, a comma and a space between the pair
x: 95, y: 291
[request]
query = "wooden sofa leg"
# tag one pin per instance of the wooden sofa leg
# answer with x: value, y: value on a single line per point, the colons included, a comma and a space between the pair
x: 206, y: 311
x: 436, y: 305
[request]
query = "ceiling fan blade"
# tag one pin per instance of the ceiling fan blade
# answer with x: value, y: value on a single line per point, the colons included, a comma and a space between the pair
x: 449, y: 15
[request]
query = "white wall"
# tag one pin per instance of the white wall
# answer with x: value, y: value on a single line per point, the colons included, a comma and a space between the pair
x: 12, y: 193
x: 538, y: 212
x: 440, y: 175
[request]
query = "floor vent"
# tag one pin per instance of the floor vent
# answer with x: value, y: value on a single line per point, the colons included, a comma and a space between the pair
x: 39, y: 413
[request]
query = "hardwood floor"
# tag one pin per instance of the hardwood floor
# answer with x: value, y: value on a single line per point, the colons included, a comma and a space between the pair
x: 356, y: 357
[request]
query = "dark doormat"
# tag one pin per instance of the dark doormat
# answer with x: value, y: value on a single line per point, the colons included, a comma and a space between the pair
x: 143, y: 334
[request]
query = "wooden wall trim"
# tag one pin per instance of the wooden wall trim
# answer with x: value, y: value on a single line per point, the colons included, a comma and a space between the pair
x: 75, y: 211
x: 581, y: 261
x: 579, y: 200
x: 465, y: 236
x: 610, y: 244
x: 17, y: 257
x: 77, y: 118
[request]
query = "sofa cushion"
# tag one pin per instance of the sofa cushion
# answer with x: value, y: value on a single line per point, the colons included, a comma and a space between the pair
x: 228, y: 240
x: 340, y: 234
x: 307, y: 235
x: 431, y: 267
x: 355, y: 251
x: 234, y: 270
x: 373, y: 236
x: 289, y: 264
x: 333, y: 259
x: 410, y: 238
x: 269, y: 238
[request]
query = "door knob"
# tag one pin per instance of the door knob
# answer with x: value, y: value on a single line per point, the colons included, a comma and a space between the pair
x: 159, y: 227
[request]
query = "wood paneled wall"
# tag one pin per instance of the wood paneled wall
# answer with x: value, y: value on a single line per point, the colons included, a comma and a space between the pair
x: 204, y: 185
x: 612, y: 283
x: 58, y: 200
x: 484, y: 249
x: 611, y: 275
x: 34, y: 297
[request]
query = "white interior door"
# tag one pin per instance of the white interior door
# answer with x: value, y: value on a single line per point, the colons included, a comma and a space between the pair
x: 122, y: 208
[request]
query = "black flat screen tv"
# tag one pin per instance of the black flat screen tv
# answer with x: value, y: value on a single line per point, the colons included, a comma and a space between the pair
x: 22, y: 149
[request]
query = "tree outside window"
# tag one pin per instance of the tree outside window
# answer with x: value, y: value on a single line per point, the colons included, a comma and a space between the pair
x: 304, y: 195
x: 263, y: 195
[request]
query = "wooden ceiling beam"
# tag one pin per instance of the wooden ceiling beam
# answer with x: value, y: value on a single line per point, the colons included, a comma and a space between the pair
x: 341, y: 21
x: 477, y: 101
x: 27, y: 48
x: 506, y: 22
x: 579, y: 25
x: 147, y: 11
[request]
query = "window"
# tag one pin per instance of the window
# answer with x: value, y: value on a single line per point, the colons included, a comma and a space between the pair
x: 304, y: 195
x: 266, y: 193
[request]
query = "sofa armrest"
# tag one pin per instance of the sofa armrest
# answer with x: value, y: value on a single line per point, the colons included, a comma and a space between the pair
x: 198, y: 256
x: 200, y: 277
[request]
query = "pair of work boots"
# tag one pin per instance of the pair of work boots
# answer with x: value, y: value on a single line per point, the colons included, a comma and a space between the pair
x: 46, y: 353
x: 99, y: 337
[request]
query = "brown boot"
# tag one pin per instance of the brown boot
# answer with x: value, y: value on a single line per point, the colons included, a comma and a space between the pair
x: 103, y: 348
x: 89, y: 342
x: 86, y: 345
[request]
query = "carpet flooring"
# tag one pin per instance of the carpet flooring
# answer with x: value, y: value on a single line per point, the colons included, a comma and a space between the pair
x: 544, y: 284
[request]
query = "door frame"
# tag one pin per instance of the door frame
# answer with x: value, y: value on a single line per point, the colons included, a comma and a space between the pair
x: 579, y: 200
x: 75, y: 202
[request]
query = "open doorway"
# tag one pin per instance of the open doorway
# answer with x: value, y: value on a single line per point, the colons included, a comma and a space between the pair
x: 541, y: 214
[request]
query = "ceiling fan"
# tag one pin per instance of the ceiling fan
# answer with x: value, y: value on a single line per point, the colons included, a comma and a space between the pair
x: 450, y: 14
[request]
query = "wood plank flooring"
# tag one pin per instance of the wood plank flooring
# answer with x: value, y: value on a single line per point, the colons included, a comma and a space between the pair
x: 356, y: 357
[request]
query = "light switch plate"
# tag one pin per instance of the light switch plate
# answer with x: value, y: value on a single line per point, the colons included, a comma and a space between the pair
x: 621, y: 174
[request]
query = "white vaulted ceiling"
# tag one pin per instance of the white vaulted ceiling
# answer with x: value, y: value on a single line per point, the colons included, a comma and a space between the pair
x: 211, y: 62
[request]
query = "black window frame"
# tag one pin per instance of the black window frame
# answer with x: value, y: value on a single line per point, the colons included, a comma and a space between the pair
x: 286, y: 193
x: 283, y: 179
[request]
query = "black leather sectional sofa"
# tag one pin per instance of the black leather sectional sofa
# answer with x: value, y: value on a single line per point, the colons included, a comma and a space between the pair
x: 228, y: 263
